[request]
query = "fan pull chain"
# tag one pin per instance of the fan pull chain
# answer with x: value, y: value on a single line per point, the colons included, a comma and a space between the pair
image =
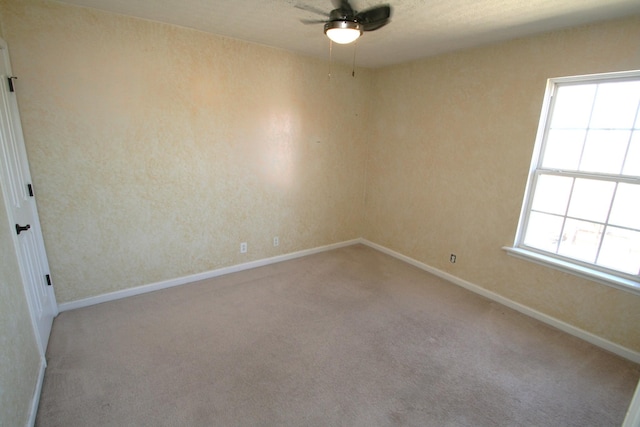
x: 330, y: 56
x: 353, y: 69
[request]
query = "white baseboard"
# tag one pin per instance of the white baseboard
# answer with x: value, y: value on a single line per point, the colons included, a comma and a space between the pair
x: 629, y: 354
x: 35, y: 401
x: 112, y: 296
x: 552, y: 321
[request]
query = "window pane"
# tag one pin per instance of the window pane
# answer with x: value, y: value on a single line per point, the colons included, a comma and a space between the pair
x: 632, y: 163
x: 616, y: 105
x: 591, y: 199
x: 563, y: 149
x: 580, y: 240
x: 621, y: 250
x: 585, y: 202
x: 604, y: 151
x: 552, y: 194
x: 543, y: 231
x: 572, y: 108
x: 625, y: 211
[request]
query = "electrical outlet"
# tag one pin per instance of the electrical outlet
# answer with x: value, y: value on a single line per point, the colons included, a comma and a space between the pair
x: 243, y: 247
x: 452, y: 259
x: 276, y: 241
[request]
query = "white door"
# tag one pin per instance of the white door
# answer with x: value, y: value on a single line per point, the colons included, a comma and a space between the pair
x: 15, y: 181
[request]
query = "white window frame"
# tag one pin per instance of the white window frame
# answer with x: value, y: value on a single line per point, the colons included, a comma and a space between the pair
x: 627, y: 282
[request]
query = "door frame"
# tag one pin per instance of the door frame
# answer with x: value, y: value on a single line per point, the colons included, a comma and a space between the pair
x: 13, y: 122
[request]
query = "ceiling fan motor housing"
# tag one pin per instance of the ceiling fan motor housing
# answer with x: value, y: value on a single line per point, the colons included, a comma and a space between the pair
x: 341, y: 15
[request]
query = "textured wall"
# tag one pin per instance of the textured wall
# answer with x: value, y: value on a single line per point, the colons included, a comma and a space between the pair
x: 156, y: 150
x: 449, y: 160
x: 19, y: 355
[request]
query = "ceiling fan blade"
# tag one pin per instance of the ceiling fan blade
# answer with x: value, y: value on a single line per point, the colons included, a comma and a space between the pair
x: 313, y: 21
x: 374, y: 18
x: 312, y: 9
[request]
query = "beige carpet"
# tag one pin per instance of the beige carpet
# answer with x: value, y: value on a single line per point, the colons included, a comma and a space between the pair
x: 350, y: 337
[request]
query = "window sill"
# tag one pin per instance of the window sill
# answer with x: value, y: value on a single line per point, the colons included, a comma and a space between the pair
x: 577, y: 270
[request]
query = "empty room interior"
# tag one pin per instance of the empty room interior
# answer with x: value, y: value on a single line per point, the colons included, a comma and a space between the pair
x: 326, y: 225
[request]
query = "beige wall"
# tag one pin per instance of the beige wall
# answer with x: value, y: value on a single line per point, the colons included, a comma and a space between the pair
x: 156, y: 150
x: 448, y: 166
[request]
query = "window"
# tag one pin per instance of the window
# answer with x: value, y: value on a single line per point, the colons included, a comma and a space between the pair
x: 582, y: 206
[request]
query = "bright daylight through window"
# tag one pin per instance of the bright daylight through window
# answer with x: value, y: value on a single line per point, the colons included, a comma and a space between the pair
x: 582, y: 207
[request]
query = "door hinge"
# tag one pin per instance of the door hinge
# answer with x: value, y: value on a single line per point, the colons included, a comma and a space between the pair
x: 48, y: 277
x: 11, y: 88
x: 30, y: 188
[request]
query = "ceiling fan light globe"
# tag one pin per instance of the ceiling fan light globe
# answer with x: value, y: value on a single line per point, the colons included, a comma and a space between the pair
x: 343, y: 32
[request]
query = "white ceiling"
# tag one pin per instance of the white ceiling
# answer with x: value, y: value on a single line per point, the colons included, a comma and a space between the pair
x: 418, y: 28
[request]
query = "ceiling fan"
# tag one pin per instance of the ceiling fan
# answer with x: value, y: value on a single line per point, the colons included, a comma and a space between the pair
x: 344, y: 24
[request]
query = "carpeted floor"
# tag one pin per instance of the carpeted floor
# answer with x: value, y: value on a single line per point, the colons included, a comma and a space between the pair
x: 350, y: 337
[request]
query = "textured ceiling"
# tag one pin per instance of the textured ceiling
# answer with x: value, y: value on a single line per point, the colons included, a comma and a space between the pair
x: 418, y: 28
